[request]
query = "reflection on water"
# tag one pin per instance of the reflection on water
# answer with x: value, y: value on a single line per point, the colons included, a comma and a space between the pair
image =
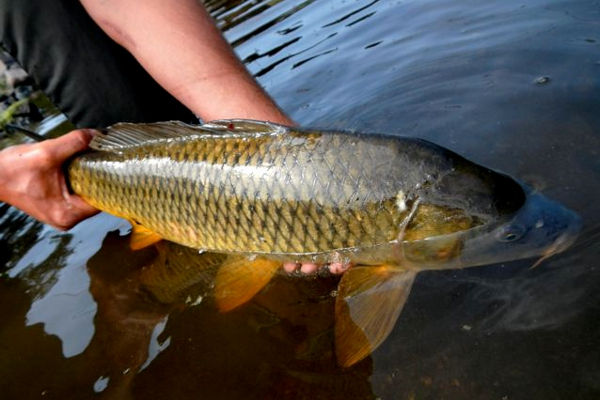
x: 285, y: 333
x: 512, y: 85
x: 19, y: 233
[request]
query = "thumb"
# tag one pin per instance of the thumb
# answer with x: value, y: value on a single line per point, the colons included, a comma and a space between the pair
x: 73, y: 142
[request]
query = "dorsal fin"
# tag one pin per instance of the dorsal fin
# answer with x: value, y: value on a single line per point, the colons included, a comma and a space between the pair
x: 123, y: 135
x: 245, y: 126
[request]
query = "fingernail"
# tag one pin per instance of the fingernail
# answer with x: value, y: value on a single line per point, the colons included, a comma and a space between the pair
x: 91, y: 132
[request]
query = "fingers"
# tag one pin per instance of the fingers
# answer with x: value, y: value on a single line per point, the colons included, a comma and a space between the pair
x: 70, y: 144
x: 39, y: 188
x: 304, y: 268
x: 290, y: 267
x: 76, y: 209
x: 309, y: 268
x: 335, y: 268
x: 68, y: 219
x: 80, y: 208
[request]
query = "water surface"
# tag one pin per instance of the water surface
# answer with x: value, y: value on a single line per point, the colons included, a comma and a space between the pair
x: 511, y: 85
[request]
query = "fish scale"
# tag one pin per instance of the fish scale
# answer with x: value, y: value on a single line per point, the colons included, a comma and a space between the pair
x: 257, y: 193
x: 260, y: 188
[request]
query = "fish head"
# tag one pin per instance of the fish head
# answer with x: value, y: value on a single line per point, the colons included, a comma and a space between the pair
x: 470, y: 215
x: 461, y: 198
x: 540, y: 228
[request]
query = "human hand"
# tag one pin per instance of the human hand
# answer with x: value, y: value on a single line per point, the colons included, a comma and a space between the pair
x: 335, y: 268
x: 32, y: 179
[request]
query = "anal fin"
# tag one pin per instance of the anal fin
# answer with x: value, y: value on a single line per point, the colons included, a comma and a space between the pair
x: 141, y: 236
x: 239, y: 279
x: 369, y: 302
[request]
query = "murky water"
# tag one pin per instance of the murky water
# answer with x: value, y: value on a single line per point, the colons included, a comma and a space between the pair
x: 511, y: 85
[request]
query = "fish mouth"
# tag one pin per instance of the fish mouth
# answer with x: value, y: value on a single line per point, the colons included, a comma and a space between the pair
x: 563, y: 241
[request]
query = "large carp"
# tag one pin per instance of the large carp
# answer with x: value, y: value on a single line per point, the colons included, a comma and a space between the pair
x: 263, y: 193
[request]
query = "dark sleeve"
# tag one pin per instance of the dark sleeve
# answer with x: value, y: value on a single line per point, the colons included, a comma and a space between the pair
x: 92, y: 79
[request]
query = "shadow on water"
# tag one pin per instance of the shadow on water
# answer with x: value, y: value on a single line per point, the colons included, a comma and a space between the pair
x: 511, y: 85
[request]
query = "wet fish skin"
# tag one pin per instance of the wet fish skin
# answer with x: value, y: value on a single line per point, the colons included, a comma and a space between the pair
x: 272, y: 190
x: 259, y: 193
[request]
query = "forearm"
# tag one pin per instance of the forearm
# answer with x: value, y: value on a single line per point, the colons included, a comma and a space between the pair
x: 179, y: 45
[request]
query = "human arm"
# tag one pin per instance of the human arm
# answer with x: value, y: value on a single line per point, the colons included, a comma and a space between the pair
x: 32, y: 179
x: 179, y: 45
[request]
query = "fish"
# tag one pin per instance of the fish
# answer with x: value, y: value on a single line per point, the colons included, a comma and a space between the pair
x: 260, y: 194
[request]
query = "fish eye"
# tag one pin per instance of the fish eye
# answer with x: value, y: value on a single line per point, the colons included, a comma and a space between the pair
x: 511, y: 233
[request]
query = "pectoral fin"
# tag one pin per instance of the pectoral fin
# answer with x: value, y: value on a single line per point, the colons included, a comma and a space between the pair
x: 239, y: 279
x: 368, y: 304
x: 141, y: 236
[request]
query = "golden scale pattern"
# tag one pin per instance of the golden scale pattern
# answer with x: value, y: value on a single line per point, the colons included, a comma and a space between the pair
x: 270, y: 194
